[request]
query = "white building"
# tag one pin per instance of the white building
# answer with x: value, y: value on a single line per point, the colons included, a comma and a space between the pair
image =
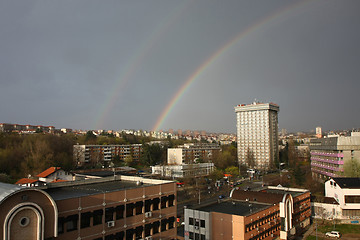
x: 257, y: 134
x: 345, y: 193
x: 183, y: 170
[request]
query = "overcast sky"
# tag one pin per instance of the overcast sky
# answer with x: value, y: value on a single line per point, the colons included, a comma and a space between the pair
x: 118, y: 64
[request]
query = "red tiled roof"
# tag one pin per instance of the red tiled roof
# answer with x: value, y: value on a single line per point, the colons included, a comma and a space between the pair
x: 59, y: 180
x: 48, y: 171
x: 26, y: 180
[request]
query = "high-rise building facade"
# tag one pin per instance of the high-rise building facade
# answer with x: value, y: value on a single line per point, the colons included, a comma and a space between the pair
x: 257, y: 134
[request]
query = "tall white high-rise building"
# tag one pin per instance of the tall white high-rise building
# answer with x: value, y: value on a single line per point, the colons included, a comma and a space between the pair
x: 257, y: 134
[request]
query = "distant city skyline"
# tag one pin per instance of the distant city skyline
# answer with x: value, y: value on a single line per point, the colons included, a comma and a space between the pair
x: 159, y: 65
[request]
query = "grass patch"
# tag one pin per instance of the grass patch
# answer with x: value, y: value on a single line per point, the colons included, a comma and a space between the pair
x: 311, y: 237
x: 342, y: 228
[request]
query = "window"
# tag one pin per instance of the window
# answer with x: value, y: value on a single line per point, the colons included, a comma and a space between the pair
x: 71, y: 222
x: 61, y: 221
x: 191, y: 221
x: 130, y: 209
x: 202, y: 223
x: 85, y: 220
x: 97, y: 217
x: 139, y: 207
x: 109, y: 214
x: 119, y: 210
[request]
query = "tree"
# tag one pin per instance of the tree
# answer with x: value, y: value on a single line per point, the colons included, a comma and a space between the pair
x: 128, y: 160
x: 233, y: 171
x: 352, y: 168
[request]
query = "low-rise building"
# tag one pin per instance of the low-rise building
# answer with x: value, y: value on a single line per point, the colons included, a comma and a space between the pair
x: 183, y: 170
x: 119, y: 207
x: 273, y: 212
x: 342, y: 200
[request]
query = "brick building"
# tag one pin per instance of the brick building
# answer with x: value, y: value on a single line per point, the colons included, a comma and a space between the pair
x: 120, y: 207
x: 267, y: 214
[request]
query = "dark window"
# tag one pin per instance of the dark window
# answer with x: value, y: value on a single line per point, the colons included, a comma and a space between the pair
x: 163, y: 225
x: 139, y: 206
x: 147, y: 205
x: 119, y: 212
x: 202, y: 237
x: 197, y: 222
x: 171, y: 200
x: 85, y: 219
x: 110, y: 237
x: 109, y: 214
x: 155, y: 226
x: 155, y: 203
x: 197, y: 236
x: 147, y: 229
x: 191, y: 235
x: 97, y: 217
x: 129, y: 234
x: 163, y: 202
x: 138, y: 232
x: 61, y: 221
x: 119, y: 236
x: 129, y: 210
x: 171, y: 222
x: 352, y: 199
x: 191, y: 221
x: 202, y: 223
x: 71, y: 222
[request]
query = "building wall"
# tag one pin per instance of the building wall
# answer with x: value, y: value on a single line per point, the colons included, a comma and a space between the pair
x: 93, y: 154
x: 328, y: 155
x: 26, y: 203
x: 119, y: 208
x: 174, y: 156
x: 257, y: 134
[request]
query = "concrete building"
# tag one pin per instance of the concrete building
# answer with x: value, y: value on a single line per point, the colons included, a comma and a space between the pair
x: 183, y: 170
x: 257, y: 134
x: 92, y: 154
x: 184, y: 161
x: 342, y: 200
x: 318, y: 132
x: 267, y: 214
x: 112, y: 208
x: 192, y: 152
x: 328, y: 155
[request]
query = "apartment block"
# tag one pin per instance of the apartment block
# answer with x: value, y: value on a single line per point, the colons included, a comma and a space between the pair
x: 191, y: 152
x: 328, y: 155
x: 90, y: 154
x: 120, y: 207
x: 257, y: 134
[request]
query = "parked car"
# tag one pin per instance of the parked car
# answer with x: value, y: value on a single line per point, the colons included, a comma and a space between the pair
x: 335, y: 234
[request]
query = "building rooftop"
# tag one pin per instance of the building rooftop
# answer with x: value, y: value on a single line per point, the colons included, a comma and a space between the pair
x: 348, y: 182
x: 6, y: 189
x: 48, y: 171
x: 234, y: 207
x: 74, y: 189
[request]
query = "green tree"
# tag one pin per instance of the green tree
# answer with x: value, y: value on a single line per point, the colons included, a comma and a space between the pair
x: 352, y: 168
x: 234, y: 171
x: 217, y: 174
x: 128, y: 160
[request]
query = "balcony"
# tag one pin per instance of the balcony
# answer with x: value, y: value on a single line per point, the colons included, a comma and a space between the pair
x: 327, y: 167
x: 327, y: 160
x: 327, y: 154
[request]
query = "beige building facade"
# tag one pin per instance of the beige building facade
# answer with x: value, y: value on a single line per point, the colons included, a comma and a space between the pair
x: 257, y: 134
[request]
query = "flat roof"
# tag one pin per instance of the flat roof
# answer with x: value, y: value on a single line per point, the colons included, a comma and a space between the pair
x: 74, y: 189
x: 278, y: 191
x: 241, y: 208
